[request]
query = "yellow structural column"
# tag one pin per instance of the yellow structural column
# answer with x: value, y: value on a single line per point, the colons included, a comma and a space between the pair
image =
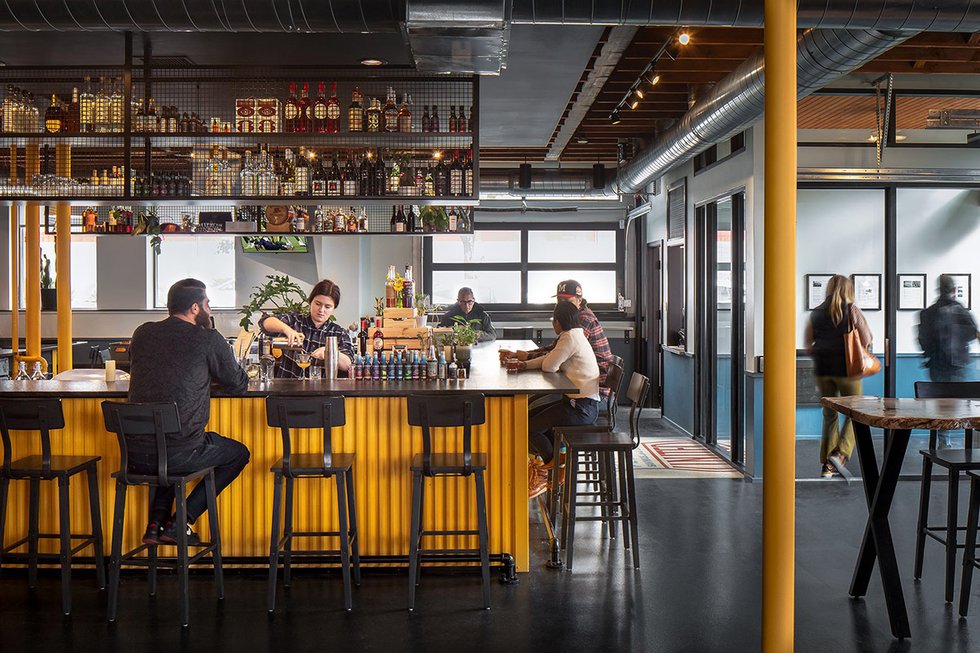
x: 14, y: 213
x: 32, y: 258
x: 62, y: 255
x: 779, y: 330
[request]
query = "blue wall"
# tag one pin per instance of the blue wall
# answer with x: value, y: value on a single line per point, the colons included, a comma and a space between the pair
x: 679, y: 389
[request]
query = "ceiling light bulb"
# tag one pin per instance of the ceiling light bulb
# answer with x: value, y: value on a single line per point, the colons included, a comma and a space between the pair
x: 635, y: 103
x: 639, y: 92
x: 437, y: 154
x: 653, y: 79
x: 684, y: 38
x: 372, y: 62
x: 614, y: 117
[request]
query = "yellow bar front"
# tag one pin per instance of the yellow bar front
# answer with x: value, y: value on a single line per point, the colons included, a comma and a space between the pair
x: 779, y: 330
x: 377, y: 431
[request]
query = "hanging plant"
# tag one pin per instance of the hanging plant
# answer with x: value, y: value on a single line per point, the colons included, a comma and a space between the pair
x: 279, y: 294
x: 148, y: 224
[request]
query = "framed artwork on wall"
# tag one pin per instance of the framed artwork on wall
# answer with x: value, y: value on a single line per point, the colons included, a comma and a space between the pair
x: 867, y: 291
x: 963, y: 291
x: 911, y: 292
x: 815, y: 287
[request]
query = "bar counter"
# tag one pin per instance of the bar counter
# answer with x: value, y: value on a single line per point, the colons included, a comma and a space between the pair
x: 377, y: 431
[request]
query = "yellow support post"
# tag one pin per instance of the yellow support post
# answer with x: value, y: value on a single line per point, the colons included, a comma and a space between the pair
x: 14, y: 214
x: 779, y: 330
x: 32, y: 258
x: 62, y: 257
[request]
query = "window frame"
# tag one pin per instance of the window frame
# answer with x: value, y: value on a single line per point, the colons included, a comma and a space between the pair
x: 156, y: 272
x: 524, y: 267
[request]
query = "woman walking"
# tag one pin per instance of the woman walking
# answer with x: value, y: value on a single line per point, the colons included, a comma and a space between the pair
x: 824, y: 339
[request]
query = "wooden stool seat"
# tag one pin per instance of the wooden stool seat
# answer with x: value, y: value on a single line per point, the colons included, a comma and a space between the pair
x: 448, y: 464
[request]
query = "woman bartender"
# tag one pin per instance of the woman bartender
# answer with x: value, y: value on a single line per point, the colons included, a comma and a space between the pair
x: 311, y: 330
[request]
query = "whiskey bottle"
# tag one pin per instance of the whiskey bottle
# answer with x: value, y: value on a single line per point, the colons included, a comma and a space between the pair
x: 72, y: 122
x: 452, y: 119
x: 426, y: 120
x: 290, y: 111
x: 53, y: 117
x: 333, y: 111
x: 318, y: 181
x: 150, y: 119
x: 468, y: 176
x: 320, y: 110
x: 334, y: 179
x: 456, y: 176
x: 453, y: 219
x: 86, y: 107
x: 355, y: 112
x: 373, y: 116
x: 339, y: 222
x: 101, y: 108
x: 434, y: 124
x: 364, y: 175
x: 351, y: 176
x: 117, y: 108
x: 461, y: 124
x: 352, y: 223
x: 302, y: 173
x: 380, y: 175
x: 390, y: 112
x: 441, y: 179
x: 404, y: 116
x: 304, y: 107
x: 362, y: 221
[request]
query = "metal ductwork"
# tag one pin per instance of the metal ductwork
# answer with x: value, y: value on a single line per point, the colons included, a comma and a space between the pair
x: 452, y: 36
x: 738, y: 100
x: 551, y: 183
x: 912, y: 15
x: 328, y: 16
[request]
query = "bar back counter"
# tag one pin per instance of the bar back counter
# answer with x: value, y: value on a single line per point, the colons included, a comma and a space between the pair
x: 377, y: 431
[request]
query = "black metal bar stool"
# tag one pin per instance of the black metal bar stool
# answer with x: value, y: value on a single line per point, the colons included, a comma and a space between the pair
x: 970, y: 547
x: 156, y: 421
x: 956, y: 462
x: 325, y: 413
x: 611, y: 445
x: 44, y: 416
x: 463, y: 411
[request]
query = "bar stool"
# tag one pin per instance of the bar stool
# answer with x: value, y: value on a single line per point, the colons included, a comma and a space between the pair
x: 44, y: 416
x: 157, y: 420
x: 609, y: 444
x: 325, y: 413
x: 970, y: 548
x: 446, y: 410
x: 955, y: 461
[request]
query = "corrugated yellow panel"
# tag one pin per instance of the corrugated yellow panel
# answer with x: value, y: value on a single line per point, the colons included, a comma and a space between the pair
x: 377, y: 432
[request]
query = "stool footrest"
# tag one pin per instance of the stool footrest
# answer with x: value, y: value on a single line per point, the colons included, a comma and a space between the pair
x: 435, y: 554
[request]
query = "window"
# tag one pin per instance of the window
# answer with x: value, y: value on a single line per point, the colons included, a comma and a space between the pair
x: 84, y: 280
x: 512, y: 267
x: 208, y: 258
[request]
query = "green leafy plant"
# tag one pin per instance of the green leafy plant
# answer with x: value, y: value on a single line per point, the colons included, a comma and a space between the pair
x: 424, y: 305
x: 278, y: 295
x: 379, y: 306
x: 434, y: 218
x: 148, y: 224
x: 464, y: 332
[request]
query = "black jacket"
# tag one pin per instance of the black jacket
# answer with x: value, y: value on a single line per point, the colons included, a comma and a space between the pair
x: 489, y: 334
x: 946, y: 330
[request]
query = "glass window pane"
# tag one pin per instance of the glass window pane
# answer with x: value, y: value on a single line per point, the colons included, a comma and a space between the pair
x: 936, y: 119
x: 84, y: 282
x: 836, y: 118
x: 564, y: 246
x: 489, y: 246
x: 209, y: 258
x: 598, y: 286
x: 489, y: 286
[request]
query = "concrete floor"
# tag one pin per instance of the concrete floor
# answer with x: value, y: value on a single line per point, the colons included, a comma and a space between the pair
x: 698, y: 590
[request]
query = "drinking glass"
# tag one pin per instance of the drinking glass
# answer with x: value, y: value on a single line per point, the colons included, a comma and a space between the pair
x: 316, y: 372
x: 303, y: 361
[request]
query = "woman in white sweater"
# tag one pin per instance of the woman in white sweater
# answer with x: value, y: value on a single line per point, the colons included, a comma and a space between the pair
x: 574, y: 357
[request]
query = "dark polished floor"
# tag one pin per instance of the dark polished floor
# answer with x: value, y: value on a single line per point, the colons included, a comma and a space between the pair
x: 698, y: 590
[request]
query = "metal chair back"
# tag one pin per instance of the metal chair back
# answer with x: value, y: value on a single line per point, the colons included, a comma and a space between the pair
x: 325, y: 413
x: 41, y: 415
x: 614, y: 379
x: 637, y: 394
x: 128, y: 421
x: 444, y: 410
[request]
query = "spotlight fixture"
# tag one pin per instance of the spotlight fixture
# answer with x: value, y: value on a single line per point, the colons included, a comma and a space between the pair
x: 638, y: 92
x: 524, y: 175
x: 581, y: 140
x: 373, y: 62
x: 652, y: 78
x: 614, y: 117
x: 683, y: 38
x: 635, y: 102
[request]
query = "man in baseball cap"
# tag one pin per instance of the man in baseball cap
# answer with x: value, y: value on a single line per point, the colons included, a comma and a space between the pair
x: 570, y: 290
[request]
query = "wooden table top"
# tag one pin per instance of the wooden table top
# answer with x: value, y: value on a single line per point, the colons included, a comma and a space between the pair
x: 904, y: 413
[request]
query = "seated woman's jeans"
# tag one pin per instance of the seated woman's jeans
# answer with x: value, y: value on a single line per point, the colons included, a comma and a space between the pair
x: 567, y: 412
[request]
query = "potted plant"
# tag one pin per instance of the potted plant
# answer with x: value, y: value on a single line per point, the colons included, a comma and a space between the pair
x: 148, y: 224
x: 424, y: 306
x: 465, y: 333
x: 279, y: 294
x: 434, y: 219
x: 49, y: 294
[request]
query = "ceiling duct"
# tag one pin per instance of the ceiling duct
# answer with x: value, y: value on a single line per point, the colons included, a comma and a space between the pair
x: 913, y: 15
x: 738, y: 100
x: 449, y: 36
x: 551, y: 183
x: 321, y: 16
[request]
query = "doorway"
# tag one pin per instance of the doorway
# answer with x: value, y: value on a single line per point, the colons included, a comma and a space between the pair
x: 654, y: 323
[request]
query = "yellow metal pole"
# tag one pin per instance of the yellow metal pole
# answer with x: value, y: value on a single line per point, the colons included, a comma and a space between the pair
x: 14, y: 278
x: 62, y: 256
x: 779, y: 330
x: 32, y: 258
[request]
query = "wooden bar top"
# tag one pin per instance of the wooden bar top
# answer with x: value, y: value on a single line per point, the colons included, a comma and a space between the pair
x: 903, y: 413
x: 487, y: 377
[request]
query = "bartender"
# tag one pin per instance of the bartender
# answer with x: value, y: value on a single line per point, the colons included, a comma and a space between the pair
x: 310, y: 331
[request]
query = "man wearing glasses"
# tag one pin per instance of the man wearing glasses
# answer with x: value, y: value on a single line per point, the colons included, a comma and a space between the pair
x: 467, y: 308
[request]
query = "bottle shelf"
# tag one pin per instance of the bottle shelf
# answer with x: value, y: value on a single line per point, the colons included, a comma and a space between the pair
x: 306, y: 200
x: 344, y: 140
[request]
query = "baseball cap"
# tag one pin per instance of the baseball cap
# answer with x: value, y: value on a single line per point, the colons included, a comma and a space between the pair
x: 568, y: 289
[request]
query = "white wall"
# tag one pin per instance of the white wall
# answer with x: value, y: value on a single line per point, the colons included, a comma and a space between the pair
x: 839, y: 231
x: 938, y: 232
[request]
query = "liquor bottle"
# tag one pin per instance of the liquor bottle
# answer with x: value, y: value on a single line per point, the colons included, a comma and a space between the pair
x: 461, y: 124
x: 407, y: 367
x: 393, y: 223
x: 318, y: 182
x: 86, y: 107
x: 290, y: 111
x: 399, y: 373
x: 249, y: 183
x: 442, y: 366
x: 355, y: 112
x: 413, y: 224
x: 301, y: 221
x: 268, y: 183
x: 373, y: 116
x: 379, y: 342
x: 287, y: 175
x: 376, y: 367
x: 434, y: 123
x: 364, y: 175
x: 408, y: 289
x: 468, y: 176
x: 429, y: 187
x: 334, y: 179
x: 426, y: 120
x: 101, y: 108
x: 390, y: 298
x: 404, y: 115
x: 456, y: 176
x: 452, y: 119
x: 319, y: 122
x: 333, y: 111
x: 362, y: 221
x: 401, y: 222
x: 416, y: 367
x: 352, y: 223
x: 380, y: 176
x: 351, y: 177
x: 362, y: 337
x: 440, y: 178
x: 302, y: 173
x: 72, y: 121
x: 390, y: 112
x: 423, y: 369
x: 117, y: 109
x: 453, y: 371
x: 304, y: 106
x: 53, y: 117
x: 394, y: 178
x: 453, y: 219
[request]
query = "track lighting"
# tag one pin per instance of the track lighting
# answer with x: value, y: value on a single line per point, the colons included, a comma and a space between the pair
x: 614, y: 117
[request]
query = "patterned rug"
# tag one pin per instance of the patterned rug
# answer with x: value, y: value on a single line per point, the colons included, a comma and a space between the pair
x: 679, y: 458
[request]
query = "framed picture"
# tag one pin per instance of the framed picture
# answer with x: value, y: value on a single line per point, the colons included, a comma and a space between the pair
x: 815, y: 286
x: 911, y: 292
x: 962, y: 284
x: 867, y: 291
